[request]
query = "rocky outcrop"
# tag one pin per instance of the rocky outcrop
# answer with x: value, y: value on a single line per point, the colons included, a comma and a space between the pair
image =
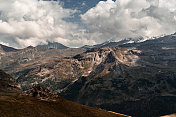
x: 40, y: 93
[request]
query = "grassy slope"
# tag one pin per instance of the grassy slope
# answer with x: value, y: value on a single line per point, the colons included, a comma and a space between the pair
x: 13, y: 106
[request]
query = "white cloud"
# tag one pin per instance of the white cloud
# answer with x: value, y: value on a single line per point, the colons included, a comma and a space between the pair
x: 30, y: 22
x: 6, y: 44
x: 130, y: 18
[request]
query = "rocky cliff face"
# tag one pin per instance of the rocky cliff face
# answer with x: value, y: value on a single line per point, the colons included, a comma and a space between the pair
x: 41, y: 93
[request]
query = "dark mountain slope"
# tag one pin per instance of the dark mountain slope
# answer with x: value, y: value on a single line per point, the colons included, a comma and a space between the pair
x: 8, y: 85
x: 145, y: 89
x: 7, y: 49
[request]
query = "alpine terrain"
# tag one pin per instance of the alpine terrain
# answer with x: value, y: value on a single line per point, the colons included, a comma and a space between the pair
x: 136, y: 79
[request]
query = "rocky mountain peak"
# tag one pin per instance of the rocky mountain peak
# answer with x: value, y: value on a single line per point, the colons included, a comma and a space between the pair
x: 30, y: 47
x: 52, y: 45
x: 108, y: 54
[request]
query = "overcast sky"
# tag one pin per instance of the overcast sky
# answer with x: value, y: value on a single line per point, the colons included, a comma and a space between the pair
x: 32, y: 22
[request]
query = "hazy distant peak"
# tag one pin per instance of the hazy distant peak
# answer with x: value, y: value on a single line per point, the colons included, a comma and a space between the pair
x: 7, y: 49
x: 52, y: 45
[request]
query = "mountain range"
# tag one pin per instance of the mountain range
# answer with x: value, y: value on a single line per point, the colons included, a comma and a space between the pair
x: 112, y: 43
x: 133, y: 77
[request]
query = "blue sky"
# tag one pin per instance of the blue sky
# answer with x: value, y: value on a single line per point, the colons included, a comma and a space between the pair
x: 82, y: 5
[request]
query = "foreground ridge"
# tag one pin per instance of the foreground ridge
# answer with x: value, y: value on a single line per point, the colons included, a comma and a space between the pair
x: 40, y: 102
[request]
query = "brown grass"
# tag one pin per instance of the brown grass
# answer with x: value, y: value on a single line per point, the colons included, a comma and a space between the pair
x: 18, y: 106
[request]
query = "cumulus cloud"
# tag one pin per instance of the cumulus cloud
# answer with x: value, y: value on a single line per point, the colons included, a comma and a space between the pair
x: 31, y: 22
x: 121, y: 19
